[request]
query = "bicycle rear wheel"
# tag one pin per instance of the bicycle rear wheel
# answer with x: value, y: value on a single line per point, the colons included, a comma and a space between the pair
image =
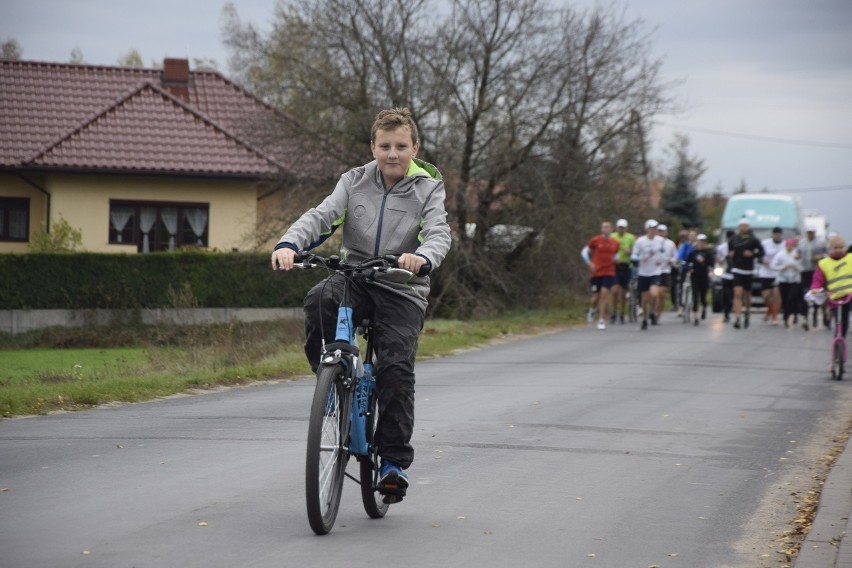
x: 374, y: 505
x: 326, y: 457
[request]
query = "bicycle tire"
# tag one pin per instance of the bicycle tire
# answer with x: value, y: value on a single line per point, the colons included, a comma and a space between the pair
x: 837, y: 361
x: 687, y: 304
x: 374, y: 505
x: 326, y: 455
x: 634, y: 301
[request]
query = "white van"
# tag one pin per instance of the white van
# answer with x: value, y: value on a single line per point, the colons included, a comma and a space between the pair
x: 764, y: 211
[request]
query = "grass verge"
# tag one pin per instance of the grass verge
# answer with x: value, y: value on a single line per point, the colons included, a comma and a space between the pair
x: 75, y: 368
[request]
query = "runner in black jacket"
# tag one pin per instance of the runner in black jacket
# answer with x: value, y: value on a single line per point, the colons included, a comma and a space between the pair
x: 743, y: 249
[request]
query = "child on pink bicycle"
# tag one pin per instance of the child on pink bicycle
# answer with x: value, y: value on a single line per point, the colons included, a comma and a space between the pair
x: 833, y: 278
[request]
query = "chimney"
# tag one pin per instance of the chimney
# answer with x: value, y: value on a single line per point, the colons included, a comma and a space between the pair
x: 175, y: 77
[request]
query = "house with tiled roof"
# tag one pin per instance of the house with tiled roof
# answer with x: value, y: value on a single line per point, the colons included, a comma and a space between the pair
x: 138, y: 160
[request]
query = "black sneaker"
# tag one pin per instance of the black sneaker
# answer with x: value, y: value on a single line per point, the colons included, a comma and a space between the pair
x: 621, y: 319
x: 644, y: 324
x: 612, y: 318
x: 745, y: 321
x: 737, y: 323
x: 703, y: 313
x: 653, y: 318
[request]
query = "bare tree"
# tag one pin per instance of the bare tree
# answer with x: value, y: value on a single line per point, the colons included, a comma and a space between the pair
x: 77, y: 56
x: 537, y: 116
x: 11, y: 49
x: 131, y: 58
x: 332, y: 63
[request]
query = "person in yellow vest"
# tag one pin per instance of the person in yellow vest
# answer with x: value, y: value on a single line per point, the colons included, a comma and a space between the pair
x: 834, y: 275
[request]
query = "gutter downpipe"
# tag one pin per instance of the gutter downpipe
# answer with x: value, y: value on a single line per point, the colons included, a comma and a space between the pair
x: 44, y: 191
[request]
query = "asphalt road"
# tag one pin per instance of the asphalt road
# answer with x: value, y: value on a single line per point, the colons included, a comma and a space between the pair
x: 673, y: 447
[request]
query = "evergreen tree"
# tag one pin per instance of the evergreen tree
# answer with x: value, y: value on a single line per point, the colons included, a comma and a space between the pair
x: 679, y: 200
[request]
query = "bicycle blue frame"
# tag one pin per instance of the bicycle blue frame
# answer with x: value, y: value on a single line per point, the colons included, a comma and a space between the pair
x: 365, y: 385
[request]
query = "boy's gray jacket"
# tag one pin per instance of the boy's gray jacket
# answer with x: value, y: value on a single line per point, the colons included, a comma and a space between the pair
x: 409, y: 217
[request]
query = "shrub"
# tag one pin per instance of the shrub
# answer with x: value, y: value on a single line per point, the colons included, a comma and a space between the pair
x: 124, y: 281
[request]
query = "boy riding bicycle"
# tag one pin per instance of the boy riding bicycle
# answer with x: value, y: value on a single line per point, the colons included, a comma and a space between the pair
x: 392, y: 205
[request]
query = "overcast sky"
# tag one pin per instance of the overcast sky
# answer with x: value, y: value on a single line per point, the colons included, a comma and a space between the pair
x: 766, y: 84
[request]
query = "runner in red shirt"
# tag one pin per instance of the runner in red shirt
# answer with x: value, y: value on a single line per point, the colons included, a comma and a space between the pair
x: 599, y: 255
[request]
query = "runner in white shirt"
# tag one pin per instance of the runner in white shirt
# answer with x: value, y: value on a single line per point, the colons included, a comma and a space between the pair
x: 789, y: 270
x: 669, y: 260
x: 768, y: 277
x: 648, y: 251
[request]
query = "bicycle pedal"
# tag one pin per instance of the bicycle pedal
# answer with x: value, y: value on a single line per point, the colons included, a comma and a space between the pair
x: 391, y: 499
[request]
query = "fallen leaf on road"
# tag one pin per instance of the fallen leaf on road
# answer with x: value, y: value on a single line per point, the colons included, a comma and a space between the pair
x: 202, y: 524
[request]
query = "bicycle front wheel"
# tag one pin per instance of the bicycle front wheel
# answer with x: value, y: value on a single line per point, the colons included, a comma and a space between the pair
x: 634, y: 302
x: 325, y: 464
x: 373, y: 501
x: 837, y: 361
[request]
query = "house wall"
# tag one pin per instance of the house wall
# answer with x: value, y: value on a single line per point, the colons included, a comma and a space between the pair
x: 13, y: 186
x: 83, y: 201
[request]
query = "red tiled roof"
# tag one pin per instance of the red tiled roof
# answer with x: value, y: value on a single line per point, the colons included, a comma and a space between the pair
x: 116, y: 118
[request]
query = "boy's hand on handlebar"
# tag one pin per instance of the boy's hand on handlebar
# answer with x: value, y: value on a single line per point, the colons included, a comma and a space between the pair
x: 283, y: 259
x: 411, y: 262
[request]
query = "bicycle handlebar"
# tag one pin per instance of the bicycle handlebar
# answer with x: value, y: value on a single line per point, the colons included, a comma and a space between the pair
x: 385, y: 263
x: 840, y: 301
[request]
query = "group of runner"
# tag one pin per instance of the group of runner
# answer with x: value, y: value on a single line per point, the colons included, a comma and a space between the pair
x: 782, y: 267
x: 658, y: 262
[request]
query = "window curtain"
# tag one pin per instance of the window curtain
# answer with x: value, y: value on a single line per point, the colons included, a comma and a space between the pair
x: 197, y: 219
x: 119, y: 216
x: 147, y: 217
x: 18, y: 223
x: 169, y: 215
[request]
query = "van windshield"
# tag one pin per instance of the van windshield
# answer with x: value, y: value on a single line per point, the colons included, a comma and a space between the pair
x: 762, y: 212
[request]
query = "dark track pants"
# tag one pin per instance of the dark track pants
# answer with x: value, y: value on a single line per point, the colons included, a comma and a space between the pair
x: 397, y: 322
x: 791, y: 298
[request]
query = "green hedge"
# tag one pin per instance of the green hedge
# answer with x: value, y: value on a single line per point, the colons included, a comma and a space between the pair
x: 158, y: 280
